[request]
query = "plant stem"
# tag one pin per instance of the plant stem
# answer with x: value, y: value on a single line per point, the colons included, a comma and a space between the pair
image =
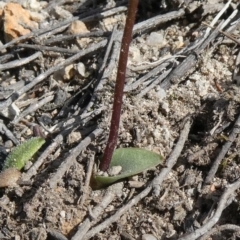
x: 118, y: 93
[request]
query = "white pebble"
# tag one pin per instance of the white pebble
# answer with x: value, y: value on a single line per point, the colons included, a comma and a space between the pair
x: 156, y: 39
x: 81, y: 69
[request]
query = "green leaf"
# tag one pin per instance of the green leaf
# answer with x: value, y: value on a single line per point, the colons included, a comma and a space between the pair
x: 22, y: 153
x: 132, y: 161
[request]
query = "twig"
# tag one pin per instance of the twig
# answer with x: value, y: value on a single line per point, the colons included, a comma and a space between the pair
x: 166, y: 17
x: 154, y: 83
x: 15, y: 86
x: 47, y: 152
x: 108, y: 50
x: 224, y: 150
x: 68, y: 61
x: 217, y: 17
x: 214, y: 21
x: 37, y: 33
x: 107, y: 71
x: 70, y: 126
x: 8, y: 133
x: 83, y: 118
x: 56, y: 235
x: 187, y: 66
x: 109, y: 196
x: 219, y: 229
x: 6, y: 57
x: 6, y: 103
x: 224, y: 33
x: 142, y: 66
x: 172, y: 159
x: 40, y: 32
x: 214, y: 219
x: 32, y: 108
x: 148, y: 24
x: 72, y: 156
x: 154, y: 184
x: 53, y: 69
x: 108, y: 13
x: 113, y: 62
x: 57, y: 39
x: 43, y: 36
x: 199, y: 154
x: 54, y: 4
x: 155, y: 21
x: 18, y: 63
x: 85, y: 191
x: 118, y: 214
x: 152, y: 73
x: 52, y: 49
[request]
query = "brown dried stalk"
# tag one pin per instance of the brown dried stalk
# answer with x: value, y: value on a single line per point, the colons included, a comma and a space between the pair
x: 118, y: 93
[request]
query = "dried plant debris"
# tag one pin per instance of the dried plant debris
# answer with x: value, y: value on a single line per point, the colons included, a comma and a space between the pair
x: 58, y: 67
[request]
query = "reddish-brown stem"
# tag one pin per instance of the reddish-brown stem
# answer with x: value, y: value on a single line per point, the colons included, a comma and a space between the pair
x: 118, y: 93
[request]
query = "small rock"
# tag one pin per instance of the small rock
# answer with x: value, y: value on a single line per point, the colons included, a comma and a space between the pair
x: 74, y: 137
x: 135, y: 54
x: 17, y: 237
x: 179, y: 43
x: 1, y: 44
x: 11, y: 112
x: 161, y: 93
x: 8, y: 144
x: 148, y: 237
x: 28, y: 165
x: 43, y: 4
x: 179, y: 213
x: 63, y: 214
x: 45, y: 119
x: 62, y: 13
x: 157, y: 134
x: 135, y: 184
x: 14, y: 18
x: 65, y: 73
x: 31, y: 4
x: 38, y: 17
x: 115, y: 170
x: 78, y: 27
x: 68, y: 72
x: 100, y: 173
x: 156, y: 39
x: 202, y: 87
x: 108, y: 23
x: 165, y: 107
x: 81, y: 69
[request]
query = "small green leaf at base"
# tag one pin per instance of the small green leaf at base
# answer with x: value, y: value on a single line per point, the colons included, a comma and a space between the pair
x: 22, y: 153
x: 132, y: 161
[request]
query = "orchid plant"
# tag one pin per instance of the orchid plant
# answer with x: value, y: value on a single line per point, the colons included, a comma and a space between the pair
x: 130, y: 160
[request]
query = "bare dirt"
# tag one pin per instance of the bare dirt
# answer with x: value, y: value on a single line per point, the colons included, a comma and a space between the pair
x: 173, y: 81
